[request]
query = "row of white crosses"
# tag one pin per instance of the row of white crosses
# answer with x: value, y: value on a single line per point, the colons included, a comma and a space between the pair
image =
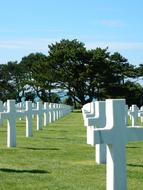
x: 88, y: 111
x: 115, y: 135
x: 134, y: 112
x: 51, y: 113
x: 94, y: 116
x: 95, y: 119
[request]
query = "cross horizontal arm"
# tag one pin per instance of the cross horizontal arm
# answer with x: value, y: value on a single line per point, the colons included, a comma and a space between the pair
x: 35, y: 111
x: 102, y: 136
x: 4, y: 115
x: 20, y: 114
x: 91, y: 121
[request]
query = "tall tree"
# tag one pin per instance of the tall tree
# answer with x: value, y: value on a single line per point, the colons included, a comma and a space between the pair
x: 88, y: 74
x: 68, y: 61
x: 5, y: 87
x: 17, y: 77
x: 121, y: 71
x: 98, y: 72
x: 121, y: 67
x: 37, y: 75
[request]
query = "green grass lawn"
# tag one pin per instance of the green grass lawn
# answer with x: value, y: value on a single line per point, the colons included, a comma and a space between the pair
x: 58, y: 158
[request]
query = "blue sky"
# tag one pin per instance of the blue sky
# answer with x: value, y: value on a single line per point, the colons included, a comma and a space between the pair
x: 29, y: 26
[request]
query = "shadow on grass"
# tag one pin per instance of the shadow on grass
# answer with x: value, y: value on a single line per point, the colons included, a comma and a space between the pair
x: 133, y: 147
x: 135, y: 165
x: 3, y: 131
x: 77, y: 111
x: 56, y: 138
x: 33, y: 148
x: 57, y: 130
x: 23, y: 171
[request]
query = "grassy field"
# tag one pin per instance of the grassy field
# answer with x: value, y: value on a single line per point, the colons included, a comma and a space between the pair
x: 57, y: 158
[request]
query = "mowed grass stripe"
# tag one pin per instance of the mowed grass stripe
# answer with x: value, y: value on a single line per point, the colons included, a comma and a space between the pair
x: 57, y: 158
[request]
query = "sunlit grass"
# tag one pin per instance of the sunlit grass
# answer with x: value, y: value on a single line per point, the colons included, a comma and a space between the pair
x: 58, y: 158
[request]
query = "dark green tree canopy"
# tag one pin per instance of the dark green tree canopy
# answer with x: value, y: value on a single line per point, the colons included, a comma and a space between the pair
x: 85, y: 74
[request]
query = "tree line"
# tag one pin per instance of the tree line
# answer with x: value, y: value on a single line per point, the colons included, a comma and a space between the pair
x: 85, y: 74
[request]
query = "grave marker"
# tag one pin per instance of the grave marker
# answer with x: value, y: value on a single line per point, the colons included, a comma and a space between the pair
x: 86, y: 109
x: 38, y: 112
x: 116, y: 135
x: 98, y: 121
x: 1, y: 110
x: 134, y: 110
x: 28, y: 113
x: 12, y: 111
x: 51, y: 108
x: 11, y: 114
x: 46, y: 113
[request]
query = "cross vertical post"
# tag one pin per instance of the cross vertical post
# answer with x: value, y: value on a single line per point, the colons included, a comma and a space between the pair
x: 134, y: 114
x: 51, y: 113
x: 98, y: 121
x: 28, y: 112
x: 11, y: 128
x: 1, y: 109
x: 46, y: 113
x: 39, y: 116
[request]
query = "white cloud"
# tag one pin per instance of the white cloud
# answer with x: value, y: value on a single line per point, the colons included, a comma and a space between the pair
x: 42, y: 44
x: 111, y: 23
x: 37, y: 43
x: 33, y: 30
x: 16, y: 49
x: 116, y: 45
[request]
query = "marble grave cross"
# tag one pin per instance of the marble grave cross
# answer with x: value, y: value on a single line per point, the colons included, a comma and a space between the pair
x: 99, y: 121
x: 134, y: 110
x: 116, y: 135
x: 11, y: 114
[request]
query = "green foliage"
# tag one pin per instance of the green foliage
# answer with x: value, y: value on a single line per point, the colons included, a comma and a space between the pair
x: 85, y: 74
x: 54, y: 98
x: 9, y: 81
x: 67, y: 60
x: 29, y: 96
x: 88, y: 74
x: 133, y: 94
x: 38, y: 75
x: 68, y: 101
x: 130, y: 91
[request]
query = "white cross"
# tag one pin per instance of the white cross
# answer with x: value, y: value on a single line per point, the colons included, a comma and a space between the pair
x: 64, y: 109
x: 46, y: 113
x: 85, y: 109
x: 1, y: 110
x: 60, y: 110
x: 11, y: 114
x: 88, y: 109
x: 98, y: 121
x: 51, y: 114
x: 92, y: 110
x: 56, y: 111
x: 126, y: 114
x: 133, y: 112
x: 38, y: 112
x: 86, y: 114
x: 141, y: 114
x: 116, y: 135
x: 28, y: 113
